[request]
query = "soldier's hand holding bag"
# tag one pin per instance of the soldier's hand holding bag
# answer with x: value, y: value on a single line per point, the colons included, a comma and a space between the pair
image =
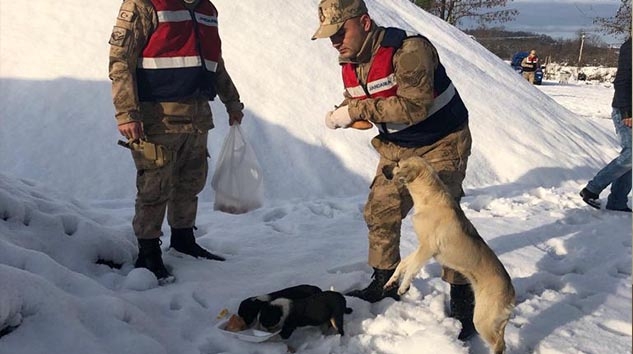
x: 237, y: 180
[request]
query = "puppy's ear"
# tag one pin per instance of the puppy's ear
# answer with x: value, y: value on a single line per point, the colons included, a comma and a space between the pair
x: 270, y: 315
x: 245, y: 310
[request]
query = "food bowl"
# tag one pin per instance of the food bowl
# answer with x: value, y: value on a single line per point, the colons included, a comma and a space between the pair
x: 248, y: 335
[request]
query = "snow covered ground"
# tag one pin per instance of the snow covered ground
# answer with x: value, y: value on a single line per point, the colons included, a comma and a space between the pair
x: 67, y: 190
x: 593, y: 74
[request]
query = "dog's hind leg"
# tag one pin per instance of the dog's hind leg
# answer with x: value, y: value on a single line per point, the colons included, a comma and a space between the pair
x: 490, y: 321
x: 494, y: 336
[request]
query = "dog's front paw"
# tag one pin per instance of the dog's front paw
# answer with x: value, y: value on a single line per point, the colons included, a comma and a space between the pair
x: 391, y: 282
x: 403, y: 289
x: 404, y: 174
x: 387, y: 171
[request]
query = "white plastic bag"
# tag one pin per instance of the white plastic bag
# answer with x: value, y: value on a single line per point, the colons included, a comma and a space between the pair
x: 237, y: 180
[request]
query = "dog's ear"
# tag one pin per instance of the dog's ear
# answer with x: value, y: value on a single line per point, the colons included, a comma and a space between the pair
x: 249, y: 309
x: 270, y: 315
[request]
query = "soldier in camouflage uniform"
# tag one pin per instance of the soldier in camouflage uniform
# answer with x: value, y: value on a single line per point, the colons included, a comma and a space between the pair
x: 529, y: 65
x: 165, y: 66
x: 396, y: 81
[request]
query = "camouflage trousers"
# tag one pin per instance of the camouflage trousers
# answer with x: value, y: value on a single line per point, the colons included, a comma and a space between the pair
x: 169, y: 184
x: 389, y: 203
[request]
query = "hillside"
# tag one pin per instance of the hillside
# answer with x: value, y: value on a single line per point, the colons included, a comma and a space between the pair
x: 505, y: 43
x: 67, y: 248
x: 287, y: 82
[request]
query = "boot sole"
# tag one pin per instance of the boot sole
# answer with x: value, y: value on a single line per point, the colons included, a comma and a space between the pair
x: 620, y: 210
x: 167, y: 280
x: 468, y: 337
x: 161, y: 281
x: 174, y: 252
x: 592, y: 203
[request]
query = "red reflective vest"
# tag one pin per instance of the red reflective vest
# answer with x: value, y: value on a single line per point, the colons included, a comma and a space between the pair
x: 381, y: 81
x: 531, y: 63
x: 447, y: 113
x: 181, y: 56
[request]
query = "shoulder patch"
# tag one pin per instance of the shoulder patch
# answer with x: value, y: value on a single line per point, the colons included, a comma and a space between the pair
x: 410, y: 61
x: 118, y: 36
x: 125, y: 15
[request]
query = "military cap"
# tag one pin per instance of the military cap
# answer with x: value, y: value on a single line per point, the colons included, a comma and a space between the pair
x: 333, y: 13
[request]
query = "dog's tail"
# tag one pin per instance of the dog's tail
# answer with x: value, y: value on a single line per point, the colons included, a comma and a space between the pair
x: 348, y: 310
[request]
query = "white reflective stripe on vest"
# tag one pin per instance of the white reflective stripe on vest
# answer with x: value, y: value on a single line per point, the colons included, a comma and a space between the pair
x: 176, y: 62
x: 210, y: 65
x: 356, y: 91
x: 168, y: 63
x: 442, y: 100
x: 211, y: 21
x: 183, y: 15
x: 173, y: 16
x: 438, y: 103
x: 381, y: 84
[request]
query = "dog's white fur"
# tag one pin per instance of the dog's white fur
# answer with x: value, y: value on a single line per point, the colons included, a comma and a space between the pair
x: 445, y: 233
x: 564, y: 78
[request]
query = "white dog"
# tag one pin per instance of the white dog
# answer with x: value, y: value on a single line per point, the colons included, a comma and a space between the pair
x: 564, y: 78
x: 445, y: 233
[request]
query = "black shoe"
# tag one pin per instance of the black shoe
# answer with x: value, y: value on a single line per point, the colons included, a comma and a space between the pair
x: 183, y: 240
x: 462, y: 308
x: 375, y: 291
x: 150, y: 257
x: 590, y: 198
x: 625, y: 209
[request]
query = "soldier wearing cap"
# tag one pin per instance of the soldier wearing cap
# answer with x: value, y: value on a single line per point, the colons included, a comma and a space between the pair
x: 396, y: 81
x: 529, y: 65
x: 166, y: 65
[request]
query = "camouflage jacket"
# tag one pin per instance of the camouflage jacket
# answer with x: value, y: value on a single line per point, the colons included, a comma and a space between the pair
x: 135, y: 23
x: 414, y: 65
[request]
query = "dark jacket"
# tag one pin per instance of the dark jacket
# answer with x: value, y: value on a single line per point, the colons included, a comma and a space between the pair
x: 622, y: 82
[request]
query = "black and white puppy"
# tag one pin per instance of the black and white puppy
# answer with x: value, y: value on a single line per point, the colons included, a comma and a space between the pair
x: 249, y: 308
x: 326, y: 307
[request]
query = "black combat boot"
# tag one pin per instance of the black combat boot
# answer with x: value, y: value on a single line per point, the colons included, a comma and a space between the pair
x: 375, y: 291
x: 149, y: 256
x: 590, y: 198
x: 462, y: 309
x: 183, y: 240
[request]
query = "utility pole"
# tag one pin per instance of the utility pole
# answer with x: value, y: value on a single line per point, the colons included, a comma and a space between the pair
x: 582, y: 42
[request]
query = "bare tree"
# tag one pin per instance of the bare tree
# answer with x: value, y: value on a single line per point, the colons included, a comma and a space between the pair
x: 620, y: 24
x: 482, y: 11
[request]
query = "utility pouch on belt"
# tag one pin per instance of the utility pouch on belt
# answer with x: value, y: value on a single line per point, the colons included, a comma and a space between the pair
x: 157, y: 155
